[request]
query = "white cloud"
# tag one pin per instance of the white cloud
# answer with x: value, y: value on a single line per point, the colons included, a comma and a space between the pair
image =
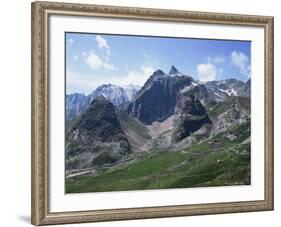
x: 147, y: 70
x: 109, y: 66
x: 134, y: 77
x: 241, y: 60
x: 102, y: 44
x: 93, y: 61
x: 138, y: 77
x: 206, y: 72
x: 102, y: 61
x: 80, y: 82
x: 97, y: 63
x: 217, y: 59
x: 126, y: 68
x: 75, y: 57
x: 103, y: 73
x: 87, y: 82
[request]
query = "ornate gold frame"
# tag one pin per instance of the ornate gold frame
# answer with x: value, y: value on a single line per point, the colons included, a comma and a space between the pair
x: 40, y: 13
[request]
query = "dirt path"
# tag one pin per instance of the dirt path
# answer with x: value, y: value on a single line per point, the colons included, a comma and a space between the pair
x: 80, y: 173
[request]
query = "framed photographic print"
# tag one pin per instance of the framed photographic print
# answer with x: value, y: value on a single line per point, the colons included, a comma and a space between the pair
x: 145, y: 113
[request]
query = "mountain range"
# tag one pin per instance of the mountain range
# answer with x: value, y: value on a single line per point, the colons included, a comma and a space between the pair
x: 170, y: 112
x: 77, y: 103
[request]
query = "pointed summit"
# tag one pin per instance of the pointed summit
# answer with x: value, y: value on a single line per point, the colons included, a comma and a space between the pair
x: 158, y: 72
x: 173, y: 70
x: 99, y: 100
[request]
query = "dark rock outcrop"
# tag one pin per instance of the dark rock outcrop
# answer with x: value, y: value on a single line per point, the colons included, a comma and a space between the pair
x: 156, y: 101
x: 191, y: 117
x: 97, y: 132
x: 100, y: 121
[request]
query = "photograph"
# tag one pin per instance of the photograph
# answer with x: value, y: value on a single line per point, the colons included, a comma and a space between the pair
x: 156, y: 112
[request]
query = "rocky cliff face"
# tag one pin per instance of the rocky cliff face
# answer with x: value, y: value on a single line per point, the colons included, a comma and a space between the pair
x: 131, y: 90
x: 75, y: 104
x: 114, y: 94
x: 232, y: 111
x: 246, y: 92
x: 96, y: 137
x: 191, y: 116
x: 156, y: 101
x: 200, y: 91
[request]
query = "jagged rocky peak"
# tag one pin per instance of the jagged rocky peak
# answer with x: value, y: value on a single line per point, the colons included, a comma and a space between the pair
x: 113, y: 93
x: 100, y: 111
x: 100, y: 100
x: 231, y: 80
x: 173, y: 70
x: 158, y: 72
x: 96, y: 136
x: 157, y: 99
x: 107, y: 85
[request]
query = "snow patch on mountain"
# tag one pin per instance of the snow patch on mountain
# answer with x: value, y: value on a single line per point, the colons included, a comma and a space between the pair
x: 189, y: 87
x: 224, y: 88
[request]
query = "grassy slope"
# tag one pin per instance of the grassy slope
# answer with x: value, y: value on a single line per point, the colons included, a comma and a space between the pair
x: 204, y: 164
x: 138, y: 128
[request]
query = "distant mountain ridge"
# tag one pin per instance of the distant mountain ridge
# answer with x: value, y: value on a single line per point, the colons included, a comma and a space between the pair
x: 207, y: 92
x: 77, y: 103
x: 113, y: 93
x: 229, y: 87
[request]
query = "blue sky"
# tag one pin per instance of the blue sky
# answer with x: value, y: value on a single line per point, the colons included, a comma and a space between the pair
x: 96, y: 59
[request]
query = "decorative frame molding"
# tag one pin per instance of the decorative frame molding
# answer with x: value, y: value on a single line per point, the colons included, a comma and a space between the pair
x: 40, y: 119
